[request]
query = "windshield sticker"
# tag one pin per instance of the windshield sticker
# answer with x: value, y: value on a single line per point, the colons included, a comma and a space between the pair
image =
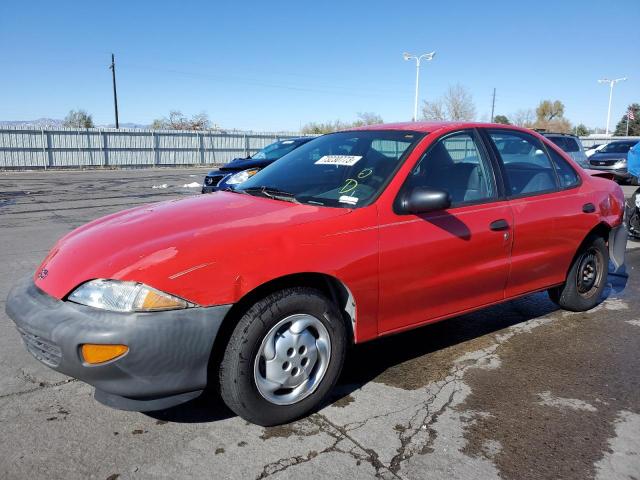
x: 348, y: 199
x: 349, y: 186
x: 364, y: 173
x: 342, y: 160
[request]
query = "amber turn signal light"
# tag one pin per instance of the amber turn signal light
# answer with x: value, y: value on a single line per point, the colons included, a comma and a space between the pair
x: 97, y: 353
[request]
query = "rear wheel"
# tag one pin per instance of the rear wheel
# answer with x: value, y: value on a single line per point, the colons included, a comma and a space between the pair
x: 283, y: 357
x: 587, y: 278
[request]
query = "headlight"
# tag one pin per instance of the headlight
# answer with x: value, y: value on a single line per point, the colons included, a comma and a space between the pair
x: 240, y: 177
x: 118, y: 296
x: 622, y: 163
x: 208, y: 180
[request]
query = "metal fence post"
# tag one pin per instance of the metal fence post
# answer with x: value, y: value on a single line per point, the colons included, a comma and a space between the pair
x: 105, y: 149
x: 201, y: 147
x: 246, y: 144
x: 43, y: 139
x: 156, y: 153
x: 48, y: 149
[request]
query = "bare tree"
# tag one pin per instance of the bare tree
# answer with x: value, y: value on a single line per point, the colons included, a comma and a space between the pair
x: 367, y: 118
x: 523, y: 118
x: 455, y: 105
x: 178, y: 121
x: 364, y: 118
x: 78, y: 119
x: 459, y: 104
x: 434, y: 111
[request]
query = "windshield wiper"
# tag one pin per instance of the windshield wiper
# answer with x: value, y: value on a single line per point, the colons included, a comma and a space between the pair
x: 272, y: 192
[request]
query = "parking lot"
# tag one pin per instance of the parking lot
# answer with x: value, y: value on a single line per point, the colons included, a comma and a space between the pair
x: 517, y: 391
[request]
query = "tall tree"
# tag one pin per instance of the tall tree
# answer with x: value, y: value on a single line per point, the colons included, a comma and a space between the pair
x: 582, y: 130
x: 78, y: 119
x: 550, y: 117
x: 634, y: 125
x: 501, y: 119
x: 455, y: 105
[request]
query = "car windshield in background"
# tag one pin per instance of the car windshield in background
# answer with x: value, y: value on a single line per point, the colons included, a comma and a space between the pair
x: 567, y: 144
x: 344, y: 169
x: 275, y: 150
x: 617, y: 147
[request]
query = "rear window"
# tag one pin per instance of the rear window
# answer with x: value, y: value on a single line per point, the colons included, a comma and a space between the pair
x: 567, y: 144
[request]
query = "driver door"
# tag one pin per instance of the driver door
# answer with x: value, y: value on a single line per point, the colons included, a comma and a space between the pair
x: 446, y: 262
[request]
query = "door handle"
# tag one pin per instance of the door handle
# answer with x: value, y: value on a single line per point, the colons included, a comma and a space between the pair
x: 499, y: 225
x: 588, y: 208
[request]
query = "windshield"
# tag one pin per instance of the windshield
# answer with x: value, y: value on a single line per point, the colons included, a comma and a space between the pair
x: 344, y: 169
x: 275, y: 150
x: 617, y: 147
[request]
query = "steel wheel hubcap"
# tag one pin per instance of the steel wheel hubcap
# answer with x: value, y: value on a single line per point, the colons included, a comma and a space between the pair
x: 589, y: 273
x: 292, y: 359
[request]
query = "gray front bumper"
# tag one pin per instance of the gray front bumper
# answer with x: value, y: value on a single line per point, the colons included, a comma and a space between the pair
x: 168, y: 352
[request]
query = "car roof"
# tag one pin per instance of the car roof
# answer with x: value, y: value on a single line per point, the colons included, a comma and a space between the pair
x: 428, y: 127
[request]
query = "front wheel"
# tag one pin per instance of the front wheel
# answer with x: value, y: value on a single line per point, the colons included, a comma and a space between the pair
x: 587, y: 278
x: 283, y: 357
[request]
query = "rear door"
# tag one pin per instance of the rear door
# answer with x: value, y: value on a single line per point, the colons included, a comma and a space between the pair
x: 441, y: 263
x: 548, y: 201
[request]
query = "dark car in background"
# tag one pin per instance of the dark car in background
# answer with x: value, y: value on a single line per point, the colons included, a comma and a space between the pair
x: 612, y: 158
x: 239, y: 170
x: 571, y: 145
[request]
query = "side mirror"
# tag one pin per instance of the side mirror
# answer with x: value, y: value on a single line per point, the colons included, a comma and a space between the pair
x: 425, y: 199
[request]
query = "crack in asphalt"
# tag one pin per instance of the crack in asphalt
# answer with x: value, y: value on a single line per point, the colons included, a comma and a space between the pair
x: 41, y: 386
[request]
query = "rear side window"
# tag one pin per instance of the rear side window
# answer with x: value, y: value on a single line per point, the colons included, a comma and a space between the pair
x: 527, y: 167
x: 566, y: 174
x: 567, y: 144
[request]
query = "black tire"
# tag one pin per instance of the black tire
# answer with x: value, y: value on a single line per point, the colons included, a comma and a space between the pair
x: 587, y: 278
x: 236, y: 373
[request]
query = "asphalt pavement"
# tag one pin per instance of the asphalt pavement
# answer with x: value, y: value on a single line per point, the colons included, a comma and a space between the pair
x: 517, y: 391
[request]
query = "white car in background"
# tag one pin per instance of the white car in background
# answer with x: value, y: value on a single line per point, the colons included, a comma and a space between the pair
x: 594, y: 149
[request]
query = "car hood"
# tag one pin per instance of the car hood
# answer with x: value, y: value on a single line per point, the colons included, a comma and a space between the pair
x: 607, y: 156
x: 158, y: 243
x: 243, y: 164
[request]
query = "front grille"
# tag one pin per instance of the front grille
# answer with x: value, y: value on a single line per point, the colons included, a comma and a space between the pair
x: 213, y: 180
x: 603, y: 163
x: 44, y: 350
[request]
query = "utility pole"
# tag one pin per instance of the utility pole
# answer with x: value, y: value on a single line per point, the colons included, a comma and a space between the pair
x: 112, y: 67
x: 493, y: 103
x: 611, y: 85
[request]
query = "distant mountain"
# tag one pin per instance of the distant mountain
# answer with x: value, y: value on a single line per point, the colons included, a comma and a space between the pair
x: 39, y: 123
x: 56, y: 123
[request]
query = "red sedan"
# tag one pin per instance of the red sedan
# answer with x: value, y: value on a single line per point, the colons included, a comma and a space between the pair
x: 354, y: 235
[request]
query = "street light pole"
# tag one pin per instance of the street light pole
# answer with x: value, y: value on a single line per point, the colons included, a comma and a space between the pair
x: 426, y: 56
x: 611, y: 84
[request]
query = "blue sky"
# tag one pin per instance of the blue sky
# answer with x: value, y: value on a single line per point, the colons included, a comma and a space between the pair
x: 277, y: 65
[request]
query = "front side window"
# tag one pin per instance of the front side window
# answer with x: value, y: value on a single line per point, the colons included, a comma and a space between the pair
x: 566, y: 174
x: 458, y: 166
x: 344, y: 169
x: 527, y: 168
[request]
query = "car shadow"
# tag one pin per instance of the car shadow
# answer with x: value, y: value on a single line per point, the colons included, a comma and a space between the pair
x: 407, y: 359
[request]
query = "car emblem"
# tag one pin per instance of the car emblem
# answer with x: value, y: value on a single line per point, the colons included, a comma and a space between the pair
x: 43, y: 274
